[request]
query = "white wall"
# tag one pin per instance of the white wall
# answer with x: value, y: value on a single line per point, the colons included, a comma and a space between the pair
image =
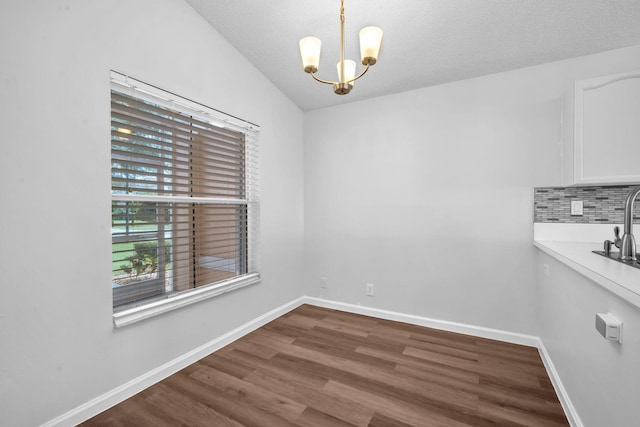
x: 600, y: 376
x: 58, y: 347
x: 428, y: 194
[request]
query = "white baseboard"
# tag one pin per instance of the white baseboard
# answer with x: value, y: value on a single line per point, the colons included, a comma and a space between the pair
x: 125, y: 391
x: 569, y: 409
x: 477, y: 331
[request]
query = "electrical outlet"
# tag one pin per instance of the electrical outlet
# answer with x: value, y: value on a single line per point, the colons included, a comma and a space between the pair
x: 323, y: 282
x: 370, y: 289
x: 546, y: 269
x: 576, y: 207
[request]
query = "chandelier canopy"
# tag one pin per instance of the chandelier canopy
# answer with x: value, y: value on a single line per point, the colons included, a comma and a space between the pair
x: 370, y: 42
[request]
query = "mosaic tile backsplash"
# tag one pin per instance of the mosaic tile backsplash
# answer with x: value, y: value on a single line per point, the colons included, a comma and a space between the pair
x: 601, y: 205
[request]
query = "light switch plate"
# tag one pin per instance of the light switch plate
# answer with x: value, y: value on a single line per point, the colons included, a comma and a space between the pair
x: 576, y: 207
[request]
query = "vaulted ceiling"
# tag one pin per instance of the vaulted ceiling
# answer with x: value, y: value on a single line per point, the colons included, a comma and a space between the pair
x: 426, y: 42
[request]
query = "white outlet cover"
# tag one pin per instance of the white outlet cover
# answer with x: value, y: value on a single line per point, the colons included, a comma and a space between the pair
x: 576, y: 207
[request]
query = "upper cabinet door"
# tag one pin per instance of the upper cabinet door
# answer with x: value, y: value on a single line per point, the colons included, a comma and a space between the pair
x: 606, y: 131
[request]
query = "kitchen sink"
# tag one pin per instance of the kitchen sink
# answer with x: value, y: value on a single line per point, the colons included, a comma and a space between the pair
x: 614, y: 256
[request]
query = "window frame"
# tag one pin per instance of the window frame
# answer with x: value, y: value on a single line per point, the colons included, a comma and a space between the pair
x: 144, y: 309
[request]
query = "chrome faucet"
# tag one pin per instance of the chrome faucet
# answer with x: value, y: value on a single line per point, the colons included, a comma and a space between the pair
x: 628, y: 242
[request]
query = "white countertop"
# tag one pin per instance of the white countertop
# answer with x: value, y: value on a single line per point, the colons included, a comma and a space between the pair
x: 618, y: 278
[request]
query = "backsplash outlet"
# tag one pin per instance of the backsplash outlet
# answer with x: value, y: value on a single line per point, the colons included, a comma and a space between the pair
x: 601, y: 205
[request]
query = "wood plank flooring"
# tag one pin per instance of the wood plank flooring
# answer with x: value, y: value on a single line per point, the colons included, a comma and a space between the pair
x: 320, y: 367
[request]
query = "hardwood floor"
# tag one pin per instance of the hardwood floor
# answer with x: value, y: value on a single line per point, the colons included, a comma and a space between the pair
x: 320, y: 367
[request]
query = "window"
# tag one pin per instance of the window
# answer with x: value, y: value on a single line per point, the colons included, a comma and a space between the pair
x: 184, y: 201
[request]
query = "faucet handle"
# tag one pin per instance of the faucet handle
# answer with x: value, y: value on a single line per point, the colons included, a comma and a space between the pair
x: 618, y: 240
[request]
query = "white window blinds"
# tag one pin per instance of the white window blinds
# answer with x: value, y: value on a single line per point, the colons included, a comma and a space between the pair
x: 184, y: 196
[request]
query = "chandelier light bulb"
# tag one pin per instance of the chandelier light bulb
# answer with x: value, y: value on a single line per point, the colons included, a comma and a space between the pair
x: 310, y: 53
x: 370, y: 42
x: 349, y: 71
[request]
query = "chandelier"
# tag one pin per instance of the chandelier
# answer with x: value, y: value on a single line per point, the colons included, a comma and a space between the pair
x: 370, y: 41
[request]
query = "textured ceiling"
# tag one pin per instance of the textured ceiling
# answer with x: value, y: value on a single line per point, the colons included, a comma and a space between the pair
x: 426, y: 42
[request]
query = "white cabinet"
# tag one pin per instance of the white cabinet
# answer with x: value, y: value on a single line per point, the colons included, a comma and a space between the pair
x: 601, y: 131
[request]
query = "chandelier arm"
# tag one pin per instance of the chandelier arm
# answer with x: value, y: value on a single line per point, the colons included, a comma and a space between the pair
x: 322, y: 80
x: 359, y: 75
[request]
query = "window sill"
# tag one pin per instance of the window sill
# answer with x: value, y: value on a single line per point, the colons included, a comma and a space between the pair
x: 136, y: 314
